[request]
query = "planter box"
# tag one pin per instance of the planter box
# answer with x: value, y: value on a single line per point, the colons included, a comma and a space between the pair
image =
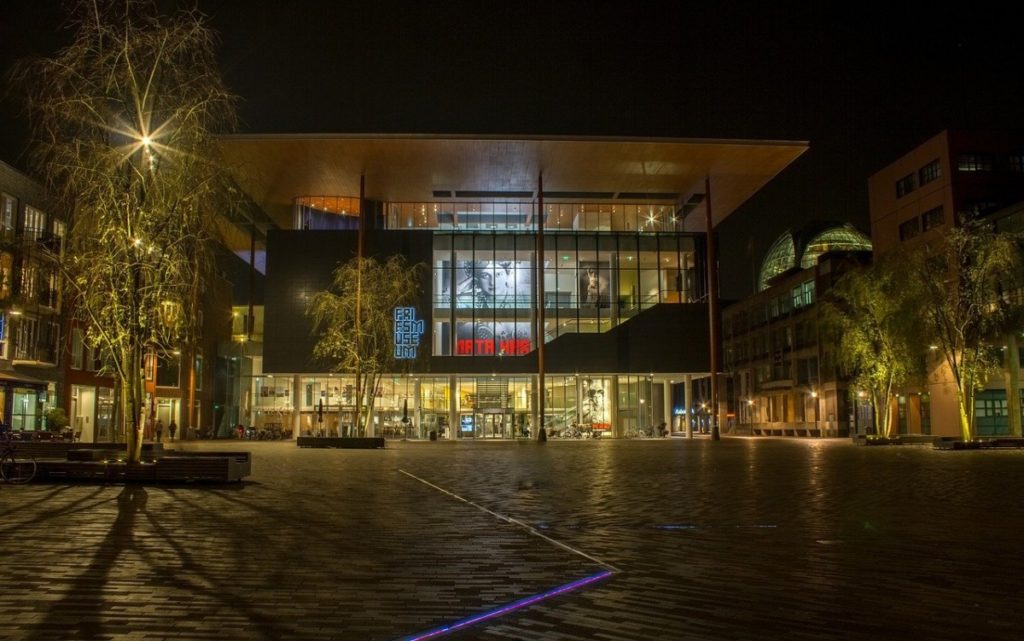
x: 60, y: 449
x: 240, y: 463
x: 1004, y: 443
x: 860, y: 439
x: 950, y: 444
x: 341, y: 443
x: 213, y: 467
x: 95, y: 455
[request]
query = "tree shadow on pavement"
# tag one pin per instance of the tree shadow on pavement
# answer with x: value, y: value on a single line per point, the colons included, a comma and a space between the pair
x: 80, y: 612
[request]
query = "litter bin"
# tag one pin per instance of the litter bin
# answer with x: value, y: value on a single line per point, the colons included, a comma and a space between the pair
x: 433, y: 435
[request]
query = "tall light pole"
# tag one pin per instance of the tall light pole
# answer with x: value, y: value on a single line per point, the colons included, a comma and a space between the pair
x: 817, y: 411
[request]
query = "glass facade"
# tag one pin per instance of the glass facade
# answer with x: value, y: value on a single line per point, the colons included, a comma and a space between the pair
x: 342, y: 212
x: 521, y: 215
x: 479, y: 407
x: 483, y: 286
x: 603, y: 264
x: 326, y: 212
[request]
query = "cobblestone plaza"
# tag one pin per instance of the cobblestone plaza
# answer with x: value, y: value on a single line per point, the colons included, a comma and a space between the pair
x: 739, y: 539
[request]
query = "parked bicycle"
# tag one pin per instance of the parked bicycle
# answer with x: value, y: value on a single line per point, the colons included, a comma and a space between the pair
x: 14, y: 468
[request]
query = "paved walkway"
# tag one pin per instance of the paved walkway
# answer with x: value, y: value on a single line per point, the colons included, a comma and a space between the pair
x: 742, y: 539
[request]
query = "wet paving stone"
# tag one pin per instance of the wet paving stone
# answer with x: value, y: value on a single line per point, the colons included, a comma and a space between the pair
x: 742, y: 539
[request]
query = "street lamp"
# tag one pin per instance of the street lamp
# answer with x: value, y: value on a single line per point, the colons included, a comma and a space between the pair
x: 817, y: 411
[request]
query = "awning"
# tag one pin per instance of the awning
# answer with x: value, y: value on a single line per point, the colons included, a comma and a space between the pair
x: 15, y: 377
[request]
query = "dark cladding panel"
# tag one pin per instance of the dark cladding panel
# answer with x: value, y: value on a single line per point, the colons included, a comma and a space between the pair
x: 666, y: 338
x: 300, y: 264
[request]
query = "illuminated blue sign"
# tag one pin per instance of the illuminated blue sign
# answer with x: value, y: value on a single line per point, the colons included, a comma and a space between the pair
x: 407, y: 332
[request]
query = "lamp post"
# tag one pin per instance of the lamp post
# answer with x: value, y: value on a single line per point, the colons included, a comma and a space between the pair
x: 238, y: 378
x: 750, y: 414
x: 817, y: 406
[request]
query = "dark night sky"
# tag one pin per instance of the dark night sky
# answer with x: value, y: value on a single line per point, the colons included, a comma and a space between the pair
x: 861, y: 82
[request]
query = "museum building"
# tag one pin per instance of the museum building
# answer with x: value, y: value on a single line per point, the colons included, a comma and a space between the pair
x: 576, y: 267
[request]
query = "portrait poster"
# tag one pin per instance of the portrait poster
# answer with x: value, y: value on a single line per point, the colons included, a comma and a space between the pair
x: 485, y: 284
x: 595, y: 284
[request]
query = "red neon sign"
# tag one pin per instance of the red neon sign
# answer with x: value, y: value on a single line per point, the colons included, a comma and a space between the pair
x: 492, y: 347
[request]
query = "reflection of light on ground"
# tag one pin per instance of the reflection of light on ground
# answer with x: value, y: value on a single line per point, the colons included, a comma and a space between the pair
x: 511, y: 607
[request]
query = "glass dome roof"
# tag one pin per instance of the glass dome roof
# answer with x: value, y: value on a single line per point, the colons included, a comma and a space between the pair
x: 779, y: 258
x: 791, y: 249
x: 845, y: 238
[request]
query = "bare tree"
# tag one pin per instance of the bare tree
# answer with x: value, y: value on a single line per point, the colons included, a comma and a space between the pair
x: 359, y: 338
x: 123, y: 121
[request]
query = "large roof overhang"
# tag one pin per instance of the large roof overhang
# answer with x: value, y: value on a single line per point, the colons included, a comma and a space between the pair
x: 274, y: 169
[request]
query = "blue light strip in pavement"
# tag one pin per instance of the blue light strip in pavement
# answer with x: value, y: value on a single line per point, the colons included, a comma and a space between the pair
x: 511, y: 607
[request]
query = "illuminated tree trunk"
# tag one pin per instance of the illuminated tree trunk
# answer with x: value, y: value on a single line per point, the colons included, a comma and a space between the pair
x: 1013, y: 383
x: 965, y: 403
x: 132, y: 404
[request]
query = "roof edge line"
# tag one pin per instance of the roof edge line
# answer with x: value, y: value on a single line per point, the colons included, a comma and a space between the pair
x: 522, y: 138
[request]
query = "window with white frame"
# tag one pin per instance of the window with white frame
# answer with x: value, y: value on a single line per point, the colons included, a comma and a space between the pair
x: 60, y: 229
x: 29, y: 276
x: 25, y: 338
x: 8, y: 212
x: 35, y: 223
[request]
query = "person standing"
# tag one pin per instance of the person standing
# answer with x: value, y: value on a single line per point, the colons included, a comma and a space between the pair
x: 172, y: 429
x: 159, y: 429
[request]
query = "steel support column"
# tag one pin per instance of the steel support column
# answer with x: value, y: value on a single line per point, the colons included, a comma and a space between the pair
x: 541, y: 395
x: 714, y: 314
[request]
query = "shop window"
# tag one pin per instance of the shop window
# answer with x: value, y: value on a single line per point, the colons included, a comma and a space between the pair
x: 1016, y: 163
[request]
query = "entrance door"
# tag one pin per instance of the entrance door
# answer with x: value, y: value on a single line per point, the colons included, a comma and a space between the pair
x: 24, y: 409
x: 83, y: 411
x: 167, y: 410
x: 494, y: 425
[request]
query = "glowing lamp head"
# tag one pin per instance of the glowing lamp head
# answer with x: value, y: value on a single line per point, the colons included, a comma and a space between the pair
x: 146, y: 141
